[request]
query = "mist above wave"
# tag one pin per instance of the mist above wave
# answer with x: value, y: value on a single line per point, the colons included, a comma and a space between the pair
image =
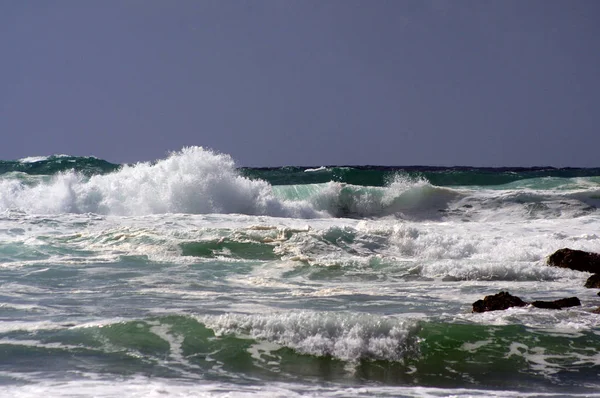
x: 194, y: 180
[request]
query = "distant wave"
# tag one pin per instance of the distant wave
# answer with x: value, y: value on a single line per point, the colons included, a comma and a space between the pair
x: 403, y: 196
x: 50, y: 165
x: 322, y: 168
x: 199, y: 181
x: 372, y: 176
x: 380, y: 176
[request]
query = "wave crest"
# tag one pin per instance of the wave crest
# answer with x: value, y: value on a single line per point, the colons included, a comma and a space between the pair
x: 194, y: 180
x: 406, y: 197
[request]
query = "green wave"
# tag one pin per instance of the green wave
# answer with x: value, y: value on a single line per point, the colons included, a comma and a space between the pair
x: 58, y: 163
x: 441, y: 176
x: 228, y: 248
x: 413, y: 197
x: 445, y: 354
x: 376, y: 176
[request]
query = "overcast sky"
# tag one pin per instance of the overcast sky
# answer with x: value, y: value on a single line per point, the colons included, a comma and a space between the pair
x: 282, y: 82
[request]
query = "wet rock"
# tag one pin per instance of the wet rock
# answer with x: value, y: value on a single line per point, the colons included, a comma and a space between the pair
x: 550, y: 305
x: 557, y: 304
x: 593, y: 281
x: 505, y: 300
x: 568, y: 302
x: 577, y: 260
x: 500, y: 301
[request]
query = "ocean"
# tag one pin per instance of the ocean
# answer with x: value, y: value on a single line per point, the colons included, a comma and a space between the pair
x: 192, y: 277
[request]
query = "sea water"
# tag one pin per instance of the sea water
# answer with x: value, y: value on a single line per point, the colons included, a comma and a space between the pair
x: 190, y: 277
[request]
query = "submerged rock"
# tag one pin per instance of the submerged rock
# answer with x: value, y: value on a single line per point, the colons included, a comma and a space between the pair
x: 500, y: 301
x: 577, y: 260
x: 550, y: 305
x: 557, y: 304
x: 593, y: 281
x: 568, y: 302
x: 505, y: 300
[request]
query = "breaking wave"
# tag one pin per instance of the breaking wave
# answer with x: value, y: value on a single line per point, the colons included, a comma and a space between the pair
x: 194, y: 180
x: 199, y: 181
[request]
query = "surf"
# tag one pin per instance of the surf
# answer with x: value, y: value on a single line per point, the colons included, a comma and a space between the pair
x: 196, y: 180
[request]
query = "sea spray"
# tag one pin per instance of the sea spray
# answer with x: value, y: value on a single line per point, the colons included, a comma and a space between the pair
x: 193, y: 180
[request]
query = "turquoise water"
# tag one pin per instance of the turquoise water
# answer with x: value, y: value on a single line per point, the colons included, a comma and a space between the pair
x: 189, y: 276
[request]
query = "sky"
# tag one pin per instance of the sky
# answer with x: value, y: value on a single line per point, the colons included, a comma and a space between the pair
x: 304, y: 82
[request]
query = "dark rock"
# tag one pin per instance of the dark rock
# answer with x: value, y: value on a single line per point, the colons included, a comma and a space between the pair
x: 593, y: 281
x: 505, y: 300
x: 558, y: 304
x: 551, y: 305
x: 577, y: 260
x: 596, y: 311
x: 568, y: 302
x: 500, y: 301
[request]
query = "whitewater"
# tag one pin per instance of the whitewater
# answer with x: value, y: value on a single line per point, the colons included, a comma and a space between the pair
x: 191, y: 276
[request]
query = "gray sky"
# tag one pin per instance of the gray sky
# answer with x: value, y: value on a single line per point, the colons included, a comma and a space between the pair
x: 482, y: 83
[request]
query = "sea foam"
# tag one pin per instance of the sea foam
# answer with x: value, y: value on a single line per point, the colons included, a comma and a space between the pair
x: 349, y: 337
x: 194, y: 180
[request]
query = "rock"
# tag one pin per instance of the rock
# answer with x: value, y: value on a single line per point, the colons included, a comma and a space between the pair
x: 505, y: 300
x: 551, y: 305
x: 593, y: 281
x: 577, y: 260
x: 558, y: 304
x: 568, y: 302
x: 500, y: 301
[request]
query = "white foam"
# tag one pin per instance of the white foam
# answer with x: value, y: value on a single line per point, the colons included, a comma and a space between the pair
x: 33, y: 159
x: 13, y: 326
x: 193, y: 180
x: 322, y: 168
x: 348, y: 336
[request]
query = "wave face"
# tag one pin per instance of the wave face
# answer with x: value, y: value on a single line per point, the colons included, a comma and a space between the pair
x: 402, y: 197
x: 379, y: 176
x: 199, y: 181
x: 275, y: 346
